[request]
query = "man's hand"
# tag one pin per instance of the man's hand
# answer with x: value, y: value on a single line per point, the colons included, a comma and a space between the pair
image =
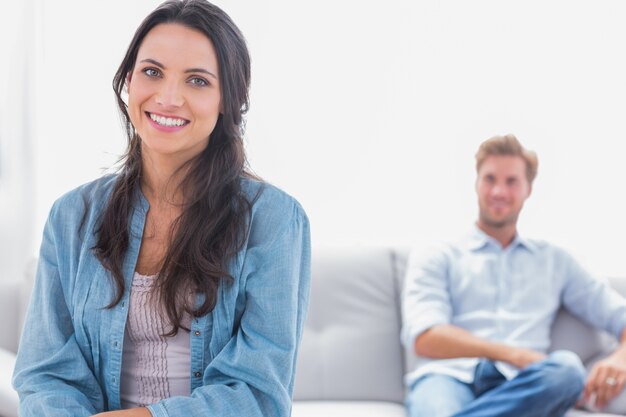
x: 607, y: 378
x: 521, y: 358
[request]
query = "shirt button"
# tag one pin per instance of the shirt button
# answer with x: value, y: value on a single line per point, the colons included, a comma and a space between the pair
x: 197, y: 333
x: 197, y: 374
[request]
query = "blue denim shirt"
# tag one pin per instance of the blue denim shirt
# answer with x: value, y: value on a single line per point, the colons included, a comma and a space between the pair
x: 509, y: 295
x: 243, y: 354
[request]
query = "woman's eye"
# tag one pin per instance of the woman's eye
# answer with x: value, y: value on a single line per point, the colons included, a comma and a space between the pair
x: 198, y: 82
x: 151, y: 72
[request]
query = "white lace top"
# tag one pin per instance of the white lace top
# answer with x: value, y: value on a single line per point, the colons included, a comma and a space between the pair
x: 153, y: 367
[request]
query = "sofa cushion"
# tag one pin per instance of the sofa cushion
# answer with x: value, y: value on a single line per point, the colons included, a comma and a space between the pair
x: 351, y: 345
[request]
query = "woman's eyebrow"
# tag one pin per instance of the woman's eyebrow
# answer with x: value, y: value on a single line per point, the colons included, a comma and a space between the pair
x: 202, y: 70
x: 154, y: 62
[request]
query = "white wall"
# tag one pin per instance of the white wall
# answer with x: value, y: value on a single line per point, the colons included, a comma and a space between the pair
x: 370, y: 112
x: 17, y: 103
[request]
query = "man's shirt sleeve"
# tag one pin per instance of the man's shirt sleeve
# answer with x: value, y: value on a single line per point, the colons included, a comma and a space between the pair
x: 426, y: 296
x: 592, y: 299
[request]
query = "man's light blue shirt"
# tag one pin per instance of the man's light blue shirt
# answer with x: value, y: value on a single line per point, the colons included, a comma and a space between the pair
x: 509, y: 295
x: 243, y: 353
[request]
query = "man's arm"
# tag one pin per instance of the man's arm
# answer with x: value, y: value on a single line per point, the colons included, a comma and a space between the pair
x: 427, y: 314
x: 595, y: 302
x: 446, y: 341
x: 608, y: 376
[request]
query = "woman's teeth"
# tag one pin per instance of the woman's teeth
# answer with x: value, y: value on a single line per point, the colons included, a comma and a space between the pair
x: 167, y: 121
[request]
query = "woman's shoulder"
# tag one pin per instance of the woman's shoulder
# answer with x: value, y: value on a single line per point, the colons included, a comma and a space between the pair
x: 272, y: 209
x: 90, y: 195
x: 276, y: 218
x: 264, y: 196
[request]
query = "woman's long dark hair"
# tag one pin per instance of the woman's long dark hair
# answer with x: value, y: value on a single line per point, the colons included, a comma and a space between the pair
x: 213, y: 223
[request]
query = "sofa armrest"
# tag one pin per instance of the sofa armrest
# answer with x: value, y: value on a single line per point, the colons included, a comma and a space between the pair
x: 9, y: 401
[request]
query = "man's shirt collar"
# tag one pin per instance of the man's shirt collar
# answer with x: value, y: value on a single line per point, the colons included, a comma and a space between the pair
x: 477, y: 239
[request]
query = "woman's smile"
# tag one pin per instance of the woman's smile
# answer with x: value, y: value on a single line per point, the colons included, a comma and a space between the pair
x: 167, y: 123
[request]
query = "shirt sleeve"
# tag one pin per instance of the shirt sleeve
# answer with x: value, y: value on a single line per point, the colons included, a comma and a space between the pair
x: 253, y: 374
x: 426, y: 296
x: 52, y: 376
x: 592, y: 299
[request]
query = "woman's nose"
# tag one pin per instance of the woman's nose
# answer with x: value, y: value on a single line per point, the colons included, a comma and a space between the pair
x: 170, y: 95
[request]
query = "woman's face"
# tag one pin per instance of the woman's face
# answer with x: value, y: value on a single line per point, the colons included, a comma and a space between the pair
x: 174, y: 93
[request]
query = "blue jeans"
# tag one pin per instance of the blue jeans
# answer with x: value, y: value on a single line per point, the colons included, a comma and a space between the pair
x: 544, y: 389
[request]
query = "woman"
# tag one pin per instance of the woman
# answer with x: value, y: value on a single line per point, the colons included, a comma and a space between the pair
x: 177, y: 287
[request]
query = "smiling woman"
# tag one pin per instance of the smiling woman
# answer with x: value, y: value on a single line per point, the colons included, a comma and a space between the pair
x: 174, y: 93
x: 177, y: 286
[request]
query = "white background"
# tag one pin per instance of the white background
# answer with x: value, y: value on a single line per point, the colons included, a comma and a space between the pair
x: 368, y: 112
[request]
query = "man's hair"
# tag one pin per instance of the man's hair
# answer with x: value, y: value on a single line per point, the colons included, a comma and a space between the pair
x: 508, y: 145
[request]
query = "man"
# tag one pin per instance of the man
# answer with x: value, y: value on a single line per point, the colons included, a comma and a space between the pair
x: 478, y: 313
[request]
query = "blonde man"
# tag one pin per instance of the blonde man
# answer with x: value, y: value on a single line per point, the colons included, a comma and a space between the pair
x: 478, y: 312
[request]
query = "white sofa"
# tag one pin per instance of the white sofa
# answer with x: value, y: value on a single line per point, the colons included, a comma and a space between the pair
x: 351, y: 362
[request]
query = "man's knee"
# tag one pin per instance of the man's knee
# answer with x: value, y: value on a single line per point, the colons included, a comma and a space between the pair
x: 565, y: 369
x: 437, y: 396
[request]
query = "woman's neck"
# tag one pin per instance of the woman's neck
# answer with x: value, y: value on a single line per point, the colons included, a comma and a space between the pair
x: 161, y: 179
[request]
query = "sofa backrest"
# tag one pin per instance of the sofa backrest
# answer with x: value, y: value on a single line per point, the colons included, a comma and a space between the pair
x: 572, y: 333
x: 351, y: 345
x: 569, y: 332
x: 9, y: 310
x: 14, y: 298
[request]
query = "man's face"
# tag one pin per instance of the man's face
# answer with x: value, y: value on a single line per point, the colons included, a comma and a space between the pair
x: 502, y: 188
